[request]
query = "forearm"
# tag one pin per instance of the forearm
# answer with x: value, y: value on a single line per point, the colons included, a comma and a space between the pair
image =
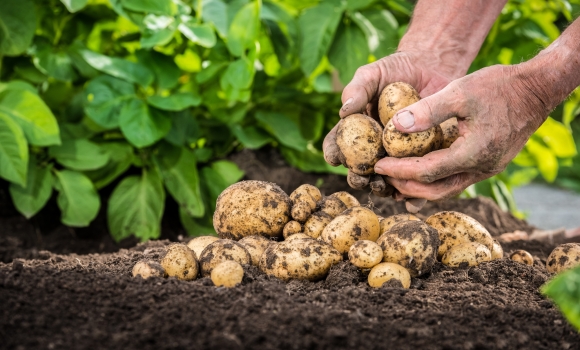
x: 453, y: 30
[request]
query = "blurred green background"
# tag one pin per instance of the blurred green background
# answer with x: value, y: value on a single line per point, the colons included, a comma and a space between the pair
x: 150, y: 96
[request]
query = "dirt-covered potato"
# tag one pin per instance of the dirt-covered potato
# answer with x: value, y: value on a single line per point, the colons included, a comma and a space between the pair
x: 251, y: 208
x: 352, y: 225
x: 303, y: 203
x: 332, y: 206
x: 220, y: 251
x: 255, y: 245
x: 563, y: 257
x: 316, y: 223
x: 471, y: 253
x: 450, y: 130
x: 411, y: 244
x: 291, y: 227
x: 297, y: 236
x: 180, y: 262
x: 299, y: 258
x: 390, y: 221
x: 198, y: 244
x: 395, y: 97
x: 358, y: 138
x: 227, y: 274
x: 496, y: 250
x: 400, y: 145
x: 348, y: 199
x: 148, y: 268
x: 385, y: 272
x: 365, y: 254
x: 456, y: 228
x: 522, y: 257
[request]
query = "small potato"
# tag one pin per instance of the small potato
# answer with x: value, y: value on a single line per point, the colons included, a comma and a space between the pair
x: 411, y: 244
x: 401, y: 145
x: 496, y: 250
x: 354, y: 224
x: 563, y: 257
x: 392, y: 220
x: 148, y: 268
x: 313, y: 191
x: 220, y: 251
x: 522, y: 257
x: 395, y: 97
x: 255, y: 245
x: 456, y: 228
x: 303, y: 203
x: 251, y: 208
x: 299, y: 258
x: 348, y: 199
x: 365, y: 254
x: 384, y: 272
x: 450, y: 130
x: 359, y: 139
x: 180, y: 262
x: 291, y: 228
x: 198, y: 244
x: 316, y: 223
x: 471, y: 253
x: 227, y: 274
x: 332, y: 206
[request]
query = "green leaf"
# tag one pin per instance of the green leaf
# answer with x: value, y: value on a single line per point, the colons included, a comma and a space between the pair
x: 74, y: 5
x: 181, y: 179
x: 141, y: 125
x: 558, y: 137
x: 33, y: 116
x: 118, y: 67
x: 564, y: 290
x: 159, y: 7
x: 13, y: 151
x: 239, y: 75
x: 228, y: 171
x: 354, y: 5
x: 120, y: 159
x: 184, y: 130
x: 32, y: 197
x: 217, y: 177
x: 18, y: 85
x: 310, y: 160
x: 158, y: 30
x: 188, y: 61
x: 317, y: 26
x: 55, y: 63
x: 244, y: 29
x: 348, y: 52
x: 136, y: 207
x: 546, y: 160
x: 195, y: 227
x: 283, y: 128
x: 209, y: 72
x: 201, y: 34
x: 77, y: 198
x: 251, y: 137
x: 380, y: 28
x: 215, y: 12
x: 175, y: 102
x: 105, y: 97
x: 17, y: 26
x: 166, y: 72
x: 79, y: 154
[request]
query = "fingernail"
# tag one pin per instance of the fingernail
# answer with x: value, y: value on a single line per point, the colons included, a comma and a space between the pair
x: 406, y: 119
x: 345, y: 105
x: 378, y: 169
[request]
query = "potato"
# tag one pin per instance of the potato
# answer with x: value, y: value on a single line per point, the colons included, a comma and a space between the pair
x: 227, y: 274
x: 148, y: 268
x: 456, y: 228
x: 299, y: 258
x: 365, y: 254
x: 352, y: 225
x: 198, y: 244
x: 563, y: 257
x: 303, y: 203
x: 400, y: 144
x: 472, y: 253
x: 450, y: 130
x: 395, y: 97
x: 220, y: 251
x: 291, y: 228
x: 385, y: 272
x: 180, y: 262
x: 348, y: 199
x: 522, y: 257
x: 496, y: 250
x: 392, y: 220
x: 313, y: 191
x: 316, y: 223
x: 250, y: 208
x: 255, y: 245
x: 297, y: 236
x: 332, y: 206
x: 411, y: 244
x: 358, y: 138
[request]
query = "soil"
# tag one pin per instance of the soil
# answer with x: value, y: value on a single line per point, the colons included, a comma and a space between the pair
x: 72, y: 289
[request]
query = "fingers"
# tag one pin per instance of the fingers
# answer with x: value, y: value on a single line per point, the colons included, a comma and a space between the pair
x: 330, y: 148
x: 361, y: 89
x: 379, y: 187
x: 358, y: 182
x: 414, y: 205
x: 438, y: 190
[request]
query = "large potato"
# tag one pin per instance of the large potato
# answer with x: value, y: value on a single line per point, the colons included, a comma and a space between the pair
x: 563, y: 257
x: 316, y: 223
x: 359, y: 139
x: 471, y: 253
x: 400, y: 144
x: 384, y: 272
x: 255, y: 245
x: 148, y: 268
x: 198, y: 244
x: 180, y: 262
x: 352, y: 225
x: 411, y: 244
x: 299, y: 258
x: 220, y: 251
x: 365, y: 254
x: 450, y: 130
x: 348, y: 199
x: 456, y: 228
x: 395, y: 97
x: 390, y: 221
x: 251, y: 208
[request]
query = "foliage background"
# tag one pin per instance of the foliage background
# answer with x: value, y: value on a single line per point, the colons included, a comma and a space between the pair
x: 149, y: 96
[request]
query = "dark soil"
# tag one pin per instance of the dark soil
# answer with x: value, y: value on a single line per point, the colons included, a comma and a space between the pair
x: 87, y: 301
